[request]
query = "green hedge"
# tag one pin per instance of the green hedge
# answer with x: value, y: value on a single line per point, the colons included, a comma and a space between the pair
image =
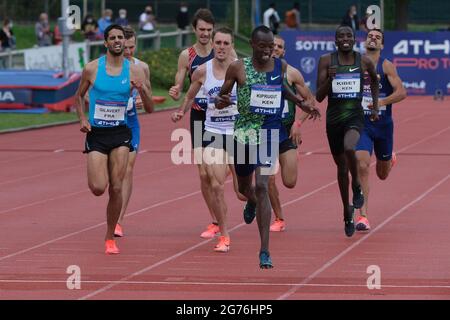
x: 163, y: 66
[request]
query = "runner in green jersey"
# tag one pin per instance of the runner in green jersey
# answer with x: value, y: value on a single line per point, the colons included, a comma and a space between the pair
x: 261, y: 90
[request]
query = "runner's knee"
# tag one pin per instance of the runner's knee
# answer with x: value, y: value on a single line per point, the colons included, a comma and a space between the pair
x: 290, y: 181
x: 115, y: 188
x: 96, y: 189
x: 363, y: 167
x: 217, y: 188
x: 382, y: 174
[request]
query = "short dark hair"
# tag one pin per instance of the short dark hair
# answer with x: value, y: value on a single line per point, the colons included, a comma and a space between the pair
x: 223, y: 30
x: 342, y: 26
x: 111, y: 27
x: 262, y: 29
x: 380, y: 31
x: 129, y: 32
x: 205, y: 15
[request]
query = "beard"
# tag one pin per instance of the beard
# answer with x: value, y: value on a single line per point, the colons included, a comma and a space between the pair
x: 116, y: 54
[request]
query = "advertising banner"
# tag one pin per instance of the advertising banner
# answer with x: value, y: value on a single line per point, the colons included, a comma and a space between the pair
x: 422, y: 58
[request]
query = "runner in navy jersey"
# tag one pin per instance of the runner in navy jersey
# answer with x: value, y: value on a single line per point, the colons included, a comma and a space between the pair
x: 377, y: 135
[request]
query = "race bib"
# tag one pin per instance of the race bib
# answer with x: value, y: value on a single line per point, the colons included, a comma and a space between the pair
x: 201, y: 100
x: 130, y: 104
x: 285, y: 113
x: 265, y: 99
x: 228, y: 114
x: 110, y: 113
x: 366, y: 100
x: 346, y: 85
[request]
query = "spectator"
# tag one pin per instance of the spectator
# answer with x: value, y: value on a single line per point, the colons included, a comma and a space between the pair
x: 183, y: 21
x: 271, y: 19
x: 7, y: 39
x: 351, y: 18
x: 42, y: 31
x: 147, y: 23
x: 122, y: 19
x: 292, y: 17
x: 105, y: 21
x: 89, y: 27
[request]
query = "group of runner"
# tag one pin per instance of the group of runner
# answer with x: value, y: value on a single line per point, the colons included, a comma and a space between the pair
x: 243, y: 121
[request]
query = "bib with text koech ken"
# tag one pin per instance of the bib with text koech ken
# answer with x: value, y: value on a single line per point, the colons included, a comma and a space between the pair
x: 228, y: 114
x: 110, y: 113
x: 346, y: 86
x: 265, y: 99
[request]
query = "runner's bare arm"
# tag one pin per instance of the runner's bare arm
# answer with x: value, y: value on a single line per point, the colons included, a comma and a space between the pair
x: 85, y: 83
x: 197, y: 80
x: 324, y: 78
x: 368, y: 65
x: 139, y: 81
x: 232, y: 76
x: 148, y: 84
x: 399, y: 91
x: 183, y: 65
x: 300, y: 85
x: 305, y: 106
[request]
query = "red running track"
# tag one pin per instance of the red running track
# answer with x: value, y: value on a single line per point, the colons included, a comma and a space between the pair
x: 50, y: 221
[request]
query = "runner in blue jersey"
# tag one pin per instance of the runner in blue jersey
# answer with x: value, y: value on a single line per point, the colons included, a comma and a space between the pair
x: 258, y: 131
x: 109, y: 80
x: 134, y: 103
x: 377, y: 135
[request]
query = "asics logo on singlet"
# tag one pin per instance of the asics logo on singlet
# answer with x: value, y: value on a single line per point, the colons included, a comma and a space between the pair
x: 124, y: 81
x: 273, y: 78
x: 353, y: 69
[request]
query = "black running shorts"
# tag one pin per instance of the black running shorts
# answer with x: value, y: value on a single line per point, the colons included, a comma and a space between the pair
x: 106, y: 139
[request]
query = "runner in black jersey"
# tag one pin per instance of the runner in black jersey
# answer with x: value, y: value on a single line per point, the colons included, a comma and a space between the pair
x: 340, y: 77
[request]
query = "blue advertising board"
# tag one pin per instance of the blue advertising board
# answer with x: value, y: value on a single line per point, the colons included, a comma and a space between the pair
x: 422, y: 58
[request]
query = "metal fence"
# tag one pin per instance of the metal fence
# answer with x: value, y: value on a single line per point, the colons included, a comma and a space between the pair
x: 15, y: 59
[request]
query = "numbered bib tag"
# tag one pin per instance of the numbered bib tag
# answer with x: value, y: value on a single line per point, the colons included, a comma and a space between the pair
x: 346, y: 86
x: 366, y: 101
x: 228, y: 114
x: 110, y: 113
x: 285, y: 113
x: 201, y: 100
x: 265, y: 99
x: 130, y: 104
